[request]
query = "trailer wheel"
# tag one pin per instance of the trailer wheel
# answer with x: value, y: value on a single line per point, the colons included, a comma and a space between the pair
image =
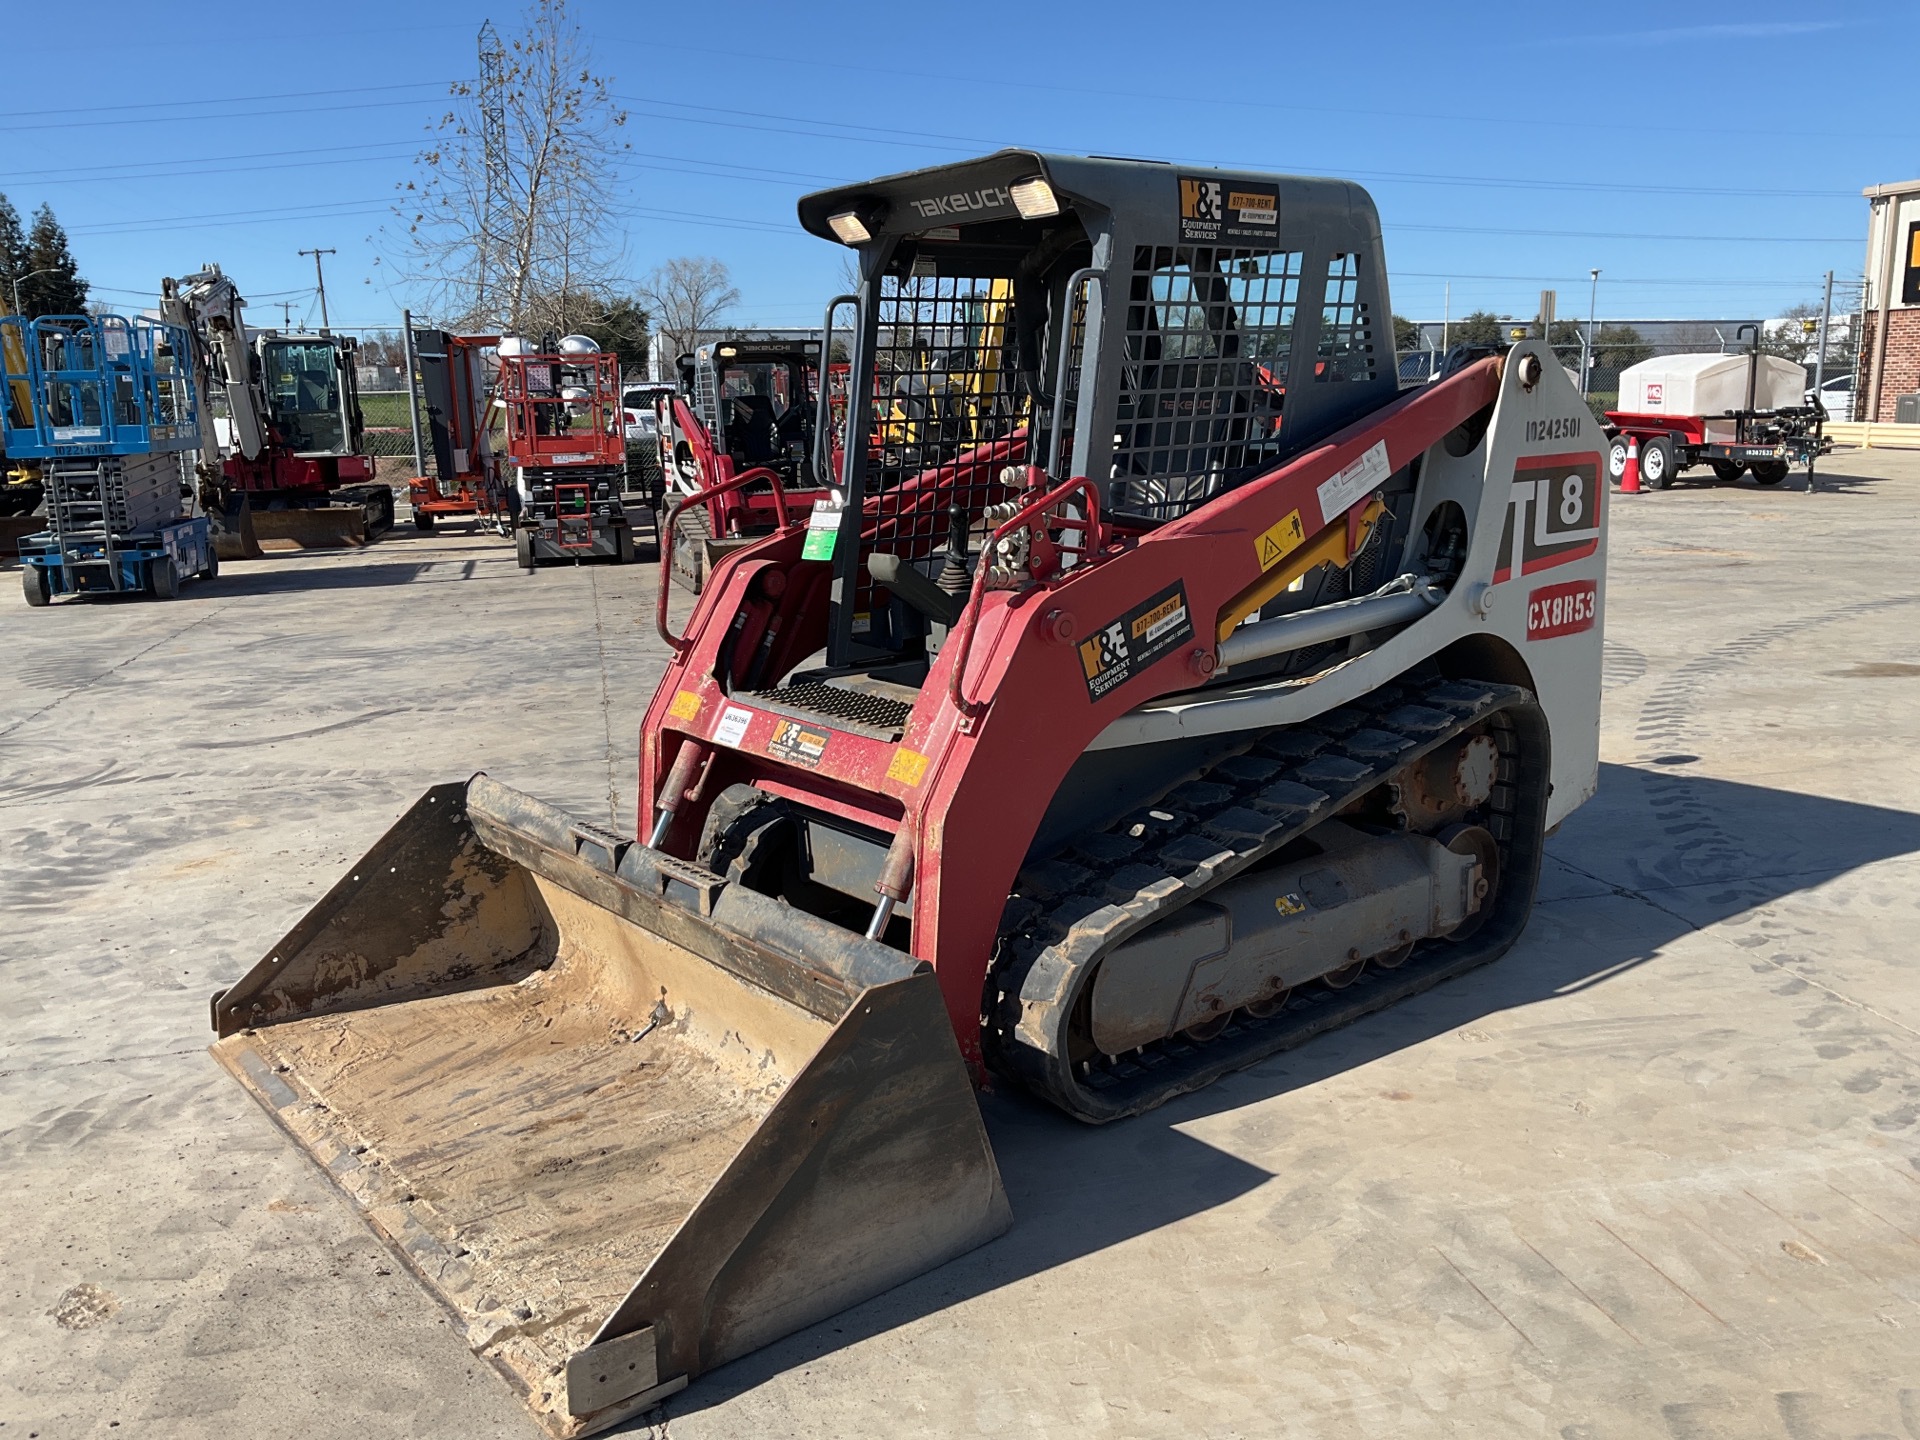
x: 1617, y: 459
x: 523, y: 548
x: 423, y: 520
x: 163, y: 577
x: 1656, y: 463
x: 1770, y: 472
x: 34, y: 581
x: 1727, y: 470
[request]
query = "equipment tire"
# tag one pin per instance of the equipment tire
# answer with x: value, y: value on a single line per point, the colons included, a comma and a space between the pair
x: 1617, y: 460
x: 1656, y: 463
x: 1727, y: 470
x: 34, y: 581
x: 623, y: 545
x: 523, y: 548
x: 163, y: 577
x: 1770, y: 472
x: 423, y: 521
x: 210, y: 570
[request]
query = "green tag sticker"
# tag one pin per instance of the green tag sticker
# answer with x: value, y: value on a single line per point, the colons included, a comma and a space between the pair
x: 823, y: 528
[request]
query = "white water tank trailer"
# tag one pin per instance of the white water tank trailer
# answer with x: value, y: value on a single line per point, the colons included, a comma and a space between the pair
x: 1707, y: 385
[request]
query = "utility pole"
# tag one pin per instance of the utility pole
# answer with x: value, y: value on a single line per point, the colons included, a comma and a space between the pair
x: 1446, y: 316
x: 320, y: 280
x: 1586, y: 356
x: 1820, y: 355
x: 286, y: 315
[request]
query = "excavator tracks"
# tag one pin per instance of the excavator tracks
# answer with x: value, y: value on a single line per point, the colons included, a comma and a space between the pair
x: 1069, y: 912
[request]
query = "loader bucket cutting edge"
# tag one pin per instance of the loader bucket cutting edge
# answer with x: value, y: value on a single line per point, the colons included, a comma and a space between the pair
x: 624, y: 1120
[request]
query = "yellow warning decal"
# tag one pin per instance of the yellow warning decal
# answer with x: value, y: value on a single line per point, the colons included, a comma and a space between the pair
x: 685, y: 705
x: 1289, y: 904
x: 1277, y: 542
x: 909, y: 767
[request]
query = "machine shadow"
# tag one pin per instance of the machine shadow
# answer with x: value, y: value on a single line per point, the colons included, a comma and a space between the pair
x: 235, y: 582
x: 1716, y: 848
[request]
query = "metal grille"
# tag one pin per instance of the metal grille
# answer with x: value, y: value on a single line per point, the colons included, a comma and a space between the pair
x: 873, y: 712
x: 1346, y: 326
x: 1208, y: 335
x: 948, y: 412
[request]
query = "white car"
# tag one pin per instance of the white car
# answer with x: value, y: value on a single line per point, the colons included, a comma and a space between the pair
x: 1836, y: 395
x: 642, y: 420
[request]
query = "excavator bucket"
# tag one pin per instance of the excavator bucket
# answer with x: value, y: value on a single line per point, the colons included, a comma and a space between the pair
x: 625, y: 1120
x: 234, y: 537
x: 311, y: 527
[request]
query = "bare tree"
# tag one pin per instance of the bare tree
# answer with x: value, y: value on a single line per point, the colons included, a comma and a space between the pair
x: 509, y: 223
x: 686, y: 295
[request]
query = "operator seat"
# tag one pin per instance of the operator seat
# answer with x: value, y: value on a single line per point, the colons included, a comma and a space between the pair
x: 751, y: 429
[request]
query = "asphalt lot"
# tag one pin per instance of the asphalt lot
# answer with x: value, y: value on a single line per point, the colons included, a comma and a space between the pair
x: 1657, y: 1172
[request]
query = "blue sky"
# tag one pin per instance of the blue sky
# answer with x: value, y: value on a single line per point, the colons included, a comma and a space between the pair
x: 1509, y: 146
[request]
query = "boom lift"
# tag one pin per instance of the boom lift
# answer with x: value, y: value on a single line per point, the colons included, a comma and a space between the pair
x: 108, y: 407
x: 566, y: 439
x: 458, y: 379
x: 288, y: 425
x: 752, y: 403
x: 1204, y: 693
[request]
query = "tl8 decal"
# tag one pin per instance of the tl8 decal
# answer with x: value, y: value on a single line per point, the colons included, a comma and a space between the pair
x: 1553, y: 514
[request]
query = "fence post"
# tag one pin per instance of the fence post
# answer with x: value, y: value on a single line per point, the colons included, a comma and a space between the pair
x: 413, y: 390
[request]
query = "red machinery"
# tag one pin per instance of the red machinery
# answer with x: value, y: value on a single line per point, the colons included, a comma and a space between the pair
x: 1106, y: 735
x: 752, y: 403
x: 290, y: 443
x: 456, y: 383
x: 566, y: 439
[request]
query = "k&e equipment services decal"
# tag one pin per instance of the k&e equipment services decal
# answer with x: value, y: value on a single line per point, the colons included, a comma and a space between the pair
x: 1215, y: 210
x: 1556, y: 610
x: 797, y: 745
x: 1553, y: 514
x: 1130, y: 644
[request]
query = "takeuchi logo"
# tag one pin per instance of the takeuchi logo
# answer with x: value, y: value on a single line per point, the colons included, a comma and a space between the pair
x: 991, y: 197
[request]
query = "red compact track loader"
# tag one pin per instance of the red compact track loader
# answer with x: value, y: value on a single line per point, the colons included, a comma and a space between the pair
x: 751, y: 404
x: 1159, y: 688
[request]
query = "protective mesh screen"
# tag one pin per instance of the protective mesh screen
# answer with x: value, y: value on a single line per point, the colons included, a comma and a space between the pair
x: 1346, y: 326
x: 948, y: 415
x: 1208, y: 334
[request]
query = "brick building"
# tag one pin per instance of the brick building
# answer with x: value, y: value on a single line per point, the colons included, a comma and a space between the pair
x: 1890, y: 336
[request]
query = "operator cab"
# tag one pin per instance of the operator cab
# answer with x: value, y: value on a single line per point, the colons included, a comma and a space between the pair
x: 311, y: 395
x: 1251, y: 318
x: 758, y: 399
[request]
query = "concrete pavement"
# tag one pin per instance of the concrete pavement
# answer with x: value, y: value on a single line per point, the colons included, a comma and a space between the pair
x: 1656, y: 1173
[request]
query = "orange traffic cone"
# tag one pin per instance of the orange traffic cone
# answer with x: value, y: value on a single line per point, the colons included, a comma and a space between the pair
x: 1630, y: 476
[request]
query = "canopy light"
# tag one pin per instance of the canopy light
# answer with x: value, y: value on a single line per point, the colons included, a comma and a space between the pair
x: 1034, y: 199
x: 848, y: 228
x: 727, y: 352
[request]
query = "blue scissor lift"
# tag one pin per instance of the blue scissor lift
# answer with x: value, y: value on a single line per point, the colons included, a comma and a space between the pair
x: 107, y: 404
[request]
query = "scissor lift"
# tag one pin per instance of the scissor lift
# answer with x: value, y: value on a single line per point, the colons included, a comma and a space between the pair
x: 108, y: 406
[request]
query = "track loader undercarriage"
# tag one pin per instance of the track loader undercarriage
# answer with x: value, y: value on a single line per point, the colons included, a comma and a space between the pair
x: 1179, y: 691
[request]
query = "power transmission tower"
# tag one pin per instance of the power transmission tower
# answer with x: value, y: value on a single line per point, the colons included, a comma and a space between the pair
x: 493, y: 151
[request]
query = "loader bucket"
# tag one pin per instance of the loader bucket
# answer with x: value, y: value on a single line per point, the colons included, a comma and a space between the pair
x: 311, y: 527
x: 625, y: 1120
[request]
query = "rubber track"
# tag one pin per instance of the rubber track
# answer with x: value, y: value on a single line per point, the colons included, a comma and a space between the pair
x: 1107, y: 885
